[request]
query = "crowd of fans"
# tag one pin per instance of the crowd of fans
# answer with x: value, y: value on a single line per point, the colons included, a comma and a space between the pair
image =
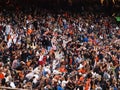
x: 44, y: 50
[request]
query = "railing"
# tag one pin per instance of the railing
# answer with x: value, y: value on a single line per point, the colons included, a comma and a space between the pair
x: 9, y: 88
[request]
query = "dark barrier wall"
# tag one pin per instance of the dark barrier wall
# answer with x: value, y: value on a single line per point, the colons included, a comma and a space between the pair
x: 87, y: 5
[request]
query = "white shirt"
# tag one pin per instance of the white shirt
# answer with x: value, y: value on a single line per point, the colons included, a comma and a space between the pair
x: 12, y: 84
x: 47, y: 69
x: 7, y: 30
x: 41, y: 58
x: 30, y: 75
x: 36, y: 78
x: 56, y: 72
x: 80, y: 66
x: 64, y: 83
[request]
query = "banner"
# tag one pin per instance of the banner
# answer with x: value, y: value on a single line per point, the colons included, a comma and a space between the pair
x: 118, y: 19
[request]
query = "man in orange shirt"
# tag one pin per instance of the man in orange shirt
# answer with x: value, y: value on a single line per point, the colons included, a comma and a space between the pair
x: 87, y: 84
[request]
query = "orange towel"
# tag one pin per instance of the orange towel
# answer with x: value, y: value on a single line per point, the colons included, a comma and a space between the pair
x: 29, y: 31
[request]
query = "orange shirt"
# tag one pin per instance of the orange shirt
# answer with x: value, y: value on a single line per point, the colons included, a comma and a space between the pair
x: 82, y: 71
x: 71, y: 32
x: 29, y: 31
x: 81, y: 79
x: 21, y: 74
x: 62, y: 69
x: 43, y: 51
x: 1, y: 75
x: 51, y: 52
x: 8, y: 37
x: 87, y: 84
x: 47, y: 32
x: 70, y: 61
x: 96, y: 59
x: 28, y: 63
x: 57, y: 77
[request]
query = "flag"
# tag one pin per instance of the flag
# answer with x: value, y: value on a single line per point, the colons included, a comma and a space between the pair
x: 117, y: 19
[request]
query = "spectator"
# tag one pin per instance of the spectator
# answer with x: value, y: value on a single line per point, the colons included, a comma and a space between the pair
x: 64, y: 50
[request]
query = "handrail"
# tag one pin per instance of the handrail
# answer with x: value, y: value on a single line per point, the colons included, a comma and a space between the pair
x: 2, y: 88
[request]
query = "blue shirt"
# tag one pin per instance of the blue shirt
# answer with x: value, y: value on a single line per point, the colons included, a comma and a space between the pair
x: 59, y: 88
